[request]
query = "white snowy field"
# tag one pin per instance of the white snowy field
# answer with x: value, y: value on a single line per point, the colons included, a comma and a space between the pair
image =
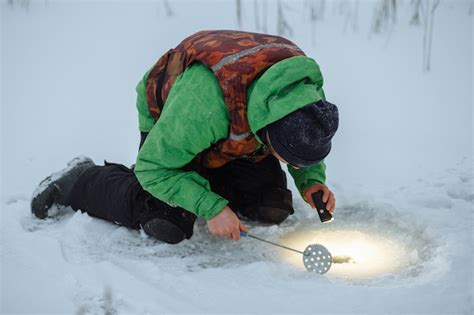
x: 401, y: 167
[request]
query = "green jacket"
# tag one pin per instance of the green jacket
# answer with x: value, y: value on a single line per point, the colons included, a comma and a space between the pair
x: 195, y: 117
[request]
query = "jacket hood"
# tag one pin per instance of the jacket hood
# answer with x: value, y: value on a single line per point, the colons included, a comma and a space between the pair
x: 282, y: 89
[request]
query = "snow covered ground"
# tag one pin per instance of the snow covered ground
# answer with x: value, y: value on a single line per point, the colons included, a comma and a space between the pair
x: 401, y: 168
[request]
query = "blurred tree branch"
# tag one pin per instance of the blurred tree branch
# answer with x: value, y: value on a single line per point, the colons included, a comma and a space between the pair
x: 385, y: 15
x: 256, y: 12
x: 283, y: 27
x: 428, y: 8
x: 238, y: 8
x: 25, y: 4
x: 168, y: 9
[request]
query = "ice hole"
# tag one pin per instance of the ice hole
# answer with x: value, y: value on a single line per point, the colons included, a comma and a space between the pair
x: 372, y: 254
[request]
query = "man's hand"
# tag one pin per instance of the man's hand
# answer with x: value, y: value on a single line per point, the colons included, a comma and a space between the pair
x: 226, y: 224
x: 328, y: 196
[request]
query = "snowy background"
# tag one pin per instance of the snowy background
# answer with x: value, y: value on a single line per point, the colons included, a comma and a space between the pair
x: 401, y: 165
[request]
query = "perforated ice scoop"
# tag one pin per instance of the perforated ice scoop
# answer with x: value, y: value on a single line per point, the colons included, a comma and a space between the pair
x: 316, y: 257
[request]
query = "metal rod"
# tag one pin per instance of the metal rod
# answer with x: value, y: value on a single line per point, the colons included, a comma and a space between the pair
x: 275, y: 244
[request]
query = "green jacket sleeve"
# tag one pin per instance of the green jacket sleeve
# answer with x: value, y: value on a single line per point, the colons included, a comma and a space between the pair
x: 145, y: 120
x: 194, y: 117
x: 307, y: 176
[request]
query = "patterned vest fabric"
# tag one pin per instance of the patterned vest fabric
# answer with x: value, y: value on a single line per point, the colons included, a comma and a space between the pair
x: 236, y: 59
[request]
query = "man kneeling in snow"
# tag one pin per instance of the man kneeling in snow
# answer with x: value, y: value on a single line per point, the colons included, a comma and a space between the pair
x: 216, y: 115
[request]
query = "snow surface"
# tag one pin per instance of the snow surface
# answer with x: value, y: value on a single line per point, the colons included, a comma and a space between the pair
x: 401, y: 168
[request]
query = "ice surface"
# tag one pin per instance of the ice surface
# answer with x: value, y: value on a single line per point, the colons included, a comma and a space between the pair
x: 401, y: 166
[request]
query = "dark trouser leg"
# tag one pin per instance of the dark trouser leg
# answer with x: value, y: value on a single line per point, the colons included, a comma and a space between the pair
x: 257, y: 191
x: 113, y: 193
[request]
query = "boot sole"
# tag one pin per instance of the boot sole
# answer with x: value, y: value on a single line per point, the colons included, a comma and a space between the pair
x: 272, y: 215
x: 45, y: 193
x: 164, y: 231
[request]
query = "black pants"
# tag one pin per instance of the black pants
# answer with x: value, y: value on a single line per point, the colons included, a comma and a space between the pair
x: 113, y: 193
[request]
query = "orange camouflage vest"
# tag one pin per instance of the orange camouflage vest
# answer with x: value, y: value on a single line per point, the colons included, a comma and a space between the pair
x: 236, y: 59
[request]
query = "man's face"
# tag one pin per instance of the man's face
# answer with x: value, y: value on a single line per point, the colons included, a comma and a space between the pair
x: 274, y: 153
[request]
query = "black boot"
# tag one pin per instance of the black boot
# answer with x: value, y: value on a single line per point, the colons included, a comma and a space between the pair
x: 56, y: 188
x: 163, y: 230
x: 165, y: 223
x: 273, y: 207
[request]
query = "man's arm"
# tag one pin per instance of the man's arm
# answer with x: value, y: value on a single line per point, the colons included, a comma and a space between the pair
x: 166, y: 150
x: 307, y: 176
x: 193, y: 119
x: 311, y: 179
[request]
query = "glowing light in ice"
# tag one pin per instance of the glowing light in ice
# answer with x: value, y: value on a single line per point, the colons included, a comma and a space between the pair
x: 372, y: 255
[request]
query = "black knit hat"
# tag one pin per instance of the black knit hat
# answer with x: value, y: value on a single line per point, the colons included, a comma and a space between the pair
x: 303, y: 138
